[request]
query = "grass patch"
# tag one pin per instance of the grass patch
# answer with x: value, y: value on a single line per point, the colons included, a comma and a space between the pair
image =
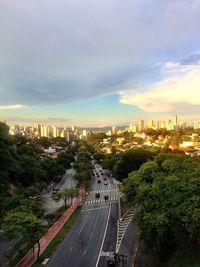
x: 58, y: 238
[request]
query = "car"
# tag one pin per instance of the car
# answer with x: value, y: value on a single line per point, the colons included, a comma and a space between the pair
x: 97, y: 195
x: 105, y: 178
x: 106, y: 198
x: 55, y: 190
x: 98, y: 181
x: 106, y: 183
x: 110, y: 261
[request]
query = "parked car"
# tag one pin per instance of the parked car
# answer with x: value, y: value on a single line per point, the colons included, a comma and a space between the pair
x: 98, y: 181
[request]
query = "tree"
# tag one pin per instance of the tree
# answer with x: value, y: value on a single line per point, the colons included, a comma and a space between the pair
x: 95, y: 138
x: 66, y: 194
x: 109, y: 161
x: 50, y: 217
x: 44, y: 141
x: 166, y: 194
x: 26, y: 225
x: 53, y: 169
x: 130, y: 161
x: 98, y: 156
x: 31, y: 170
x: 64, y: 160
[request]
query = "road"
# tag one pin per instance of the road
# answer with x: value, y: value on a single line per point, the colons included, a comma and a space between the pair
x: 5, y: 247
x: 83, y: 245
x: 128, y: 242
x: 48, y: 203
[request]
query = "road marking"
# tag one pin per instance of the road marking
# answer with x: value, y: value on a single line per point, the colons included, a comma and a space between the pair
x: 83, y: 224
x: 93, y: 228
x: 84, y: 251
x: 71, y: 249
x: 97, y: 208
x: 104, y: 236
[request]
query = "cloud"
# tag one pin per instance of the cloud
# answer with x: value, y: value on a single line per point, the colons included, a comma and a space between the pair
x: 178, y: 93
x: 59, y: 122
x: 26, y: 120
x: 64, y: 51
x: 16, y: 106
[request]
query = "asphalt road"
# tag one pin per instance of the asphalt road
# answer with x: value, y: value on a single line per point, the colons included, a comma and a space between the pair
x: 81, y: 246
x: 128, y: 243
x: 111, y: 235
x: 51, y: 205
x: 93, y: 230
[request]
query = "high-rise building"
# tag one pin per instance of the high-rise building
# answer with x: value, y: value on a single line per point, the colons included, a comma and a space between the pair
x: 38, y: 130
x: 150, y: 124
x: 132, y: 128
x: 162, y: 125
x: 197, y: 125
x: 63, y: 133
x: 158, y: 125
x: 175, y: 122
x: 73, y: 128
x: 114, y: 130
x: 46, y: 131
x: 141, y: 125
x: 55, y: 132
x: 85, y: 135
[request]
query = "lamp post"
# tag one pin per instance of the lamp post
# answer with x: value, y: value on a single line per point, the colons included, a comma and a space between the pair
x: 72, y: 165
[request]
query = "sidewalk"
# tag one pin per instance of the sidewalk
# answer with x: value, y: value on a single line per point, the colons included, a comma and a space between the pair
x: 31, y: 256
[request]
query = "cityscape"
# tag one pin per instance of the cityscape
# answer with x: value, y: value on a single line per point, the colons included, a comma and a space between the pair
x: 99, y: 133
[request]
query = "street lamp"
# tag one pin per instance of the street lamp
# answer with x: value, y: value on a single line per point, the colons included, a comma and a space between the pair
x: 72, y: 172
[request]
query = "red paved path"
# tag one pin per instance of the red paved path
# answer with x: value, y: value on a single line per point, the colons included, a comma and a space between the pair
x: 31, y: 256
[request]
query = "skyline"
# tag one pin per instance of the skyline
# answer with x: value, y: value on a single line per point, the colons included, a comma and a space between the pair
x: 100, y: 63
x: 154, y: 122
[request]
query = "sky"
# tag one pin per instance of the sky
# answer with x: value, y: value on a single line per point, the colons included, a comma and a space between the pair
x: 99, y: 62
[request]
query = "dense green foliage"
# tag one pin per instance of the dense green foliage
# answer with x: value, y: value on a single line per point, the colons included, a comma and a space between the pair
x: 24, y: 172
x: 83, y: 166
x: 166, y: 195
x: 95, y: 138
x: 131, y: 160
x: 24, y: 225
x: 122, y: 164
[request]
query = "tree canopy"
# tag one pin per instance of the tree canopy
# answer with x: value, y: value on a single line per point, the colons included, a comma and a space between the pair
x: 166, y: 195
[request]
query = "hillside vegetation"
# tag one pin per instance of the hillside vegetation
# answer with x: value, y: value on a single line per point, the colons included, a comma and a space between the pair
x: 166, y: 195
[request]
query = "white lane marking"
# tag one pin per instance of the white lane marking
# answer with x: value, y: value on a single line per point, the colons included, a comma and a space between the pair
x: 83, y: 224
x: 104, y: 236
x: 71, y: 249
x: 94, y: 224
x: 95, y: 208
x: 84, y: 251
